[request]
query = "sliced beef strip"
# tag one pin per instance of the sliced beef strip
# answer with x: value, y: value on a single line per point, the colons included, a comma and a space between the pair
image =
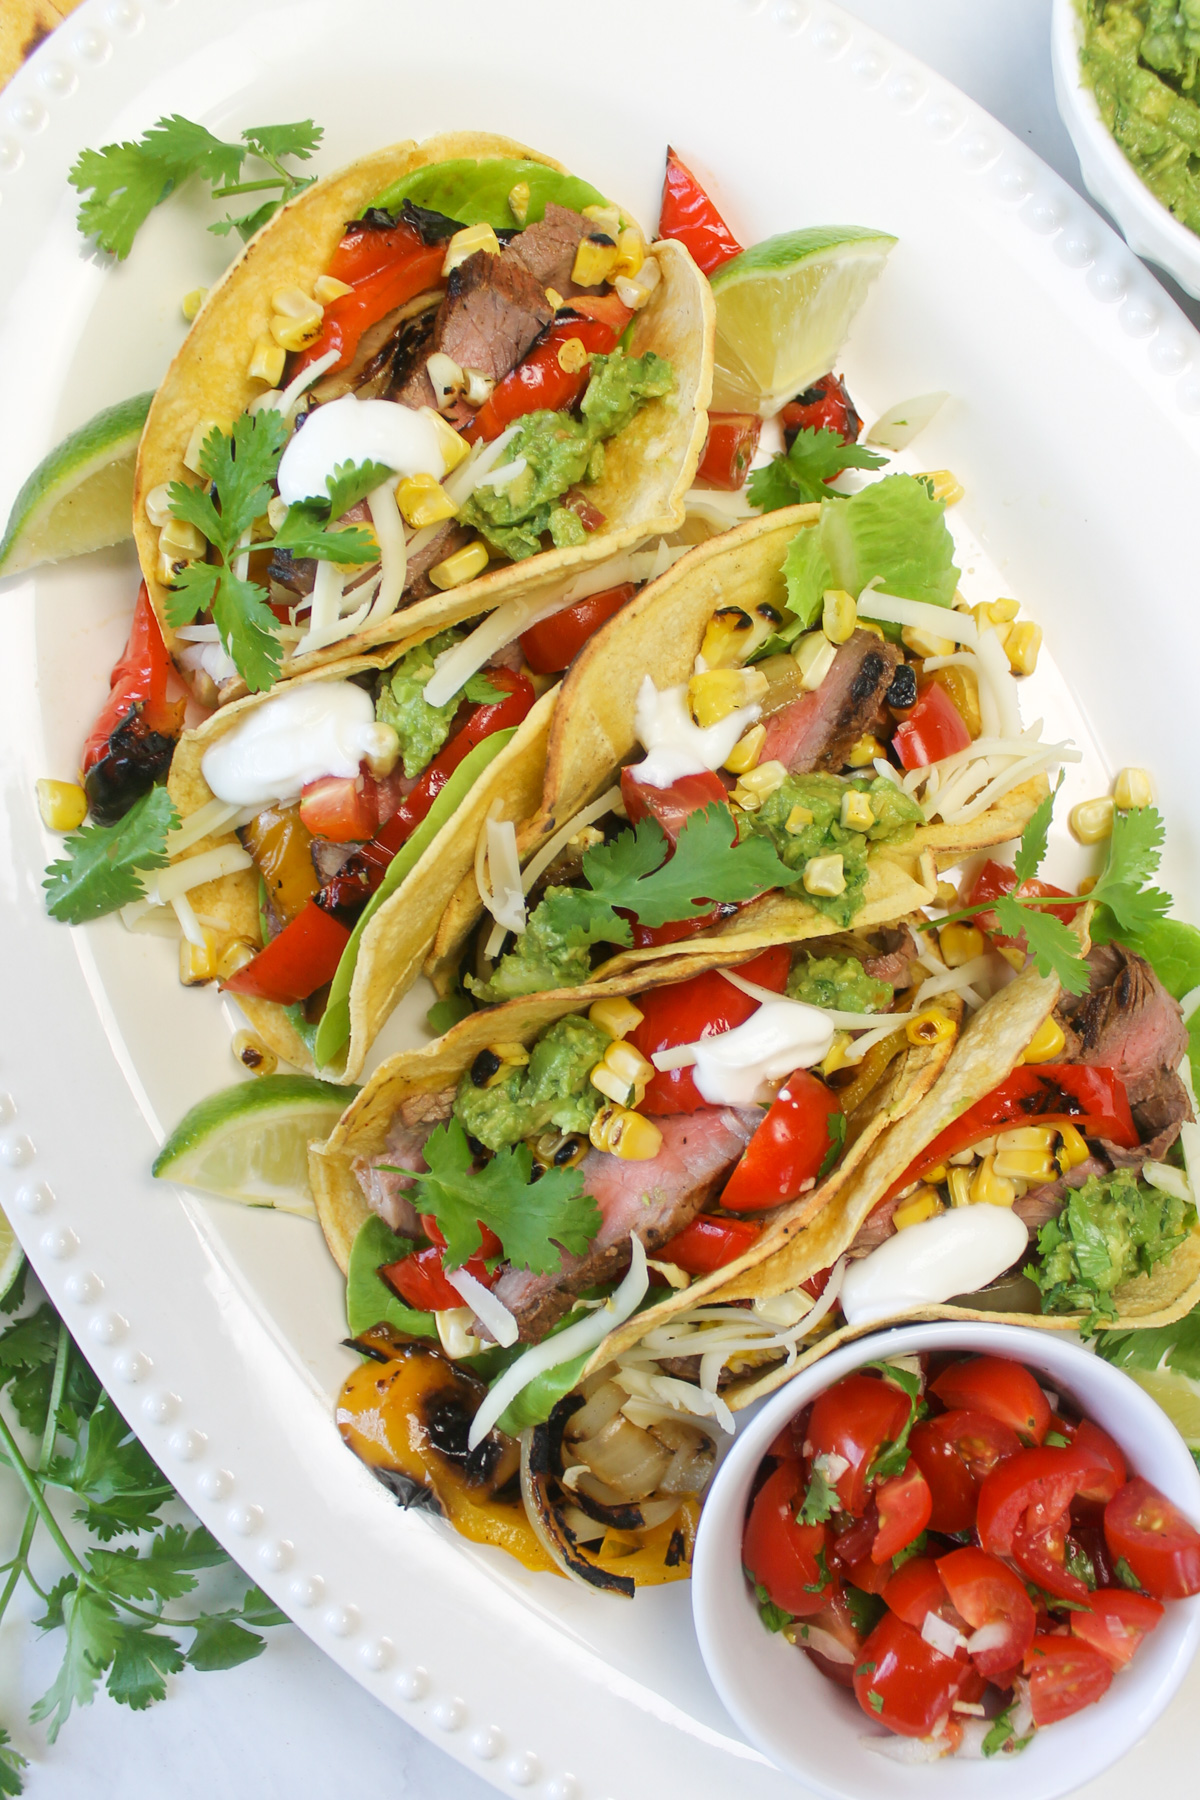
x: 328, y: 857
x: 1126, y: 1021
x: 548, y: 249
x: 445, y: 541
x: 895, y: 961
x: 385, y: 1191
x: 655, y: 1199
x: 493, y: 310
x: 817, y: 731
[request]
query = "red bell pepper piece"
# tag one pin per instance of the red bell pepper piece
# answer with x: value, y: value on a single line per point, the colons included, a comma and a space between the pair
x: 385, y: 269
x: 420, y: 1278
x: 295, y: 964
x: 556, y: 642
x: 540, y: 383
x: 825, y: 406
x: 689, y: 216
x: 707, y: 1244
x: 138, y: 680
x: 729, y: 449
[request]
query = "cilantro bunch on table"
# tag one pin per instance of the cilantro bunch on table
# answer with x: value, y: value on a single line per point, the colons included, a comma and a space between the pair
x: 123, y: 183
x: 125, y: 1568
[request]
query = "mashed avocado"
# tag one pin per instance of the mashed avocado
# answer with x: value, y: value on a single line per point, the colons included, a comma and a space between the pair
x: 896, y: 817
x: 554, y: 950
x: 839, y: 982
x: 400, y: 701
x: 552, y: 1089
x: 1112, y: 1228
x: 560, y: 450
x: 1141, y: 59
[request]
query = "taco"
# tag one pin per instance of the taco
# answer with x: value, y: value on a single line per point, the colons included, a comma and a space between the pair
x: 486, y: 1190
x: 572, y: 365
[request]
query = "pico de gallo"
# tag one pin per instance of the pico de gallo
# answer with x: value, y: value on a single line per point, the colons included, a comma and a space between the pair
x: 959, y: 1547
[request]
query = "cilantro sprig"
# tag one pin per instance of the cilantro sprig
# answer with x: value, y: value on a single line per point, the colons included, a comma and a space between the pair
x: 801, y: 473
x: 892, y: 1458
x: 820, y: 1500
x: 123, y: 183
x: 242, y: 465
x: 708, y: 866
x: 111, y: 1604
x: 104, y: 865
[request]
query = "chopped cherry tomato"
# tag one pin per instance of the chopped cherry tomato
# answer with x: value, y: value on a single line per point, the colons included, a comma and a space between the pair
x: 790, y: 1147
x: 1023, y: 1513
x: 1065, y: 1675
x: 933, y: 729
x: 781, y: 1554
x: 980, y: 1441
x: 838, y: 1620
x: 689, y: 216
x: 953, y: 1493
x: 707, y: 1244
x: 988, y: 1594
x: 701, y: 1007
x: 825, y: 406
x: 395, y: 266
x: 295, y: 964
x: 340, y: 808
x: 676, y: 931
x: 540, y: 381
x: 851, y: 1548
x: 729, y: 449
x: 871, y: 1577
x: 854, y: 1419
x: 1159, y: 1544
x: 557, y: 641
x: 993, y: 879
x: 1002, y: 1389
x: 671, y: 806
x: 1115, y: 1622
x: 916, y: 1589
x: 1110, y: 1466
x: 903, y: 1682
x: 130, y: 746
x: 904, y: 1503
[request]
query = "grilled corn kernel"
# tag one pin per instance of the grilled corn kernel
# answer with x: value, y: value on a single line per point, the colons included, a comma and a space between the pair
x: 1091, y: 821
x: 835, y: 1057
x: 924, y: 1204
x: 200, y: 430
x: 926, y: 643
x: 930, y: 1027
x: 236, y: 954
x: 1072, y: 1149
x: 555, y: 298
x: 605, y: 218
x: 192, y: 302
x: 857, y: 813
x: 732, y: 635
x: 1013, y: 956
x: 328, y: 287
x: 295, y: 334
x: 454, y: 449
x: 423, y: 501
x: 170, y: 568
x: 946, y: 894
x: 990, y: 1189
x: 1133, y: 789
x: 508, y: 1056
x: 946, y: 486
x: 958, y: 1181
x: 253, y: 1054
x: 380, y: 746
x: 464, y: 565
x: 797, y: 819
x: 1032, y: 1166
x: 743, y: 758
x: 994, y: 612
x: 1046, y: 1042
x: 573, y: 355
x: 763, y: 780
x: 197, y: 962
x: 158, y: 506
x: 1028, y: 1137
x: 715, y: 693
x: 446, y: 378
x: 745, y: 798
x: 559, y: 1149
x: 633, y: 291
x: 595, y: 259
x: 936, y: 1175
x: 63, y: 806
x: 815, y: 655
x: 631, y: 252
x: 294, y: 303
x: 267, y: 362
x: 180, y: 538
x: 466, y: 242
x: 277, y: 512
x: 839, y: 615
x: 1022, y: 645
x: 625, y: 1134
x: 479, y: 387
x: 864, y: 750
x: 618, y: 1017
x: 825, y: 875
x: 960, y: 944
x: 623, y: 1073
x: 518, y: 202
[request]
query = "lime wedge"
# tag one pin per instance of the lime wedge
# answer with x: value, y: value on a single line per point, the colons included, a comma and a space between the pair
x: 11, y: 1256
x: 80, y: 497
x: 250, y: 1141
x: 783, y: 310
x: 1177, y: 1395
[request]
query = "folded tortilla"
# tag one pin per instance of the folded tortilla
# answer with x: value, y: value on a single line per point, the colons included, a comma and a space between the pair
x: 648, y: 467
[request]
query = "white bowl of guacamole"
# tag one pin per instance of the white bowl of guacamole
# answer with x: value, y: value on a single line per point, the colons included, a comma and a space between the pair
x: 1129, y: 94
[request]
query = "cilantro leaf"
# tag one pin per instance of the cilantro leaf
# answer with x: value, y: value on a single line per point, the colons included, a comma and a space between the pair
x: 258, y: 1608
x: 772, y: 1616
x: 142, y: 1659
x: 164, y: 1571
x: 114, y: 1475
x: 800, y: 474
x: 875, y: 1700
x: 1134, y: 853
x: 105, y: 862
x: 1000, y: 1737
x: 304, y: 532
x: 708, y: 867
x: 187, y: 148
x: 1125, y: 1574
x: 1171, y: 1346
x: 892, y: 1458
x: 480, y: 691
x: 535, y: 1221
x: 11, y: 1764
x: 820, y: 1500
x: 221, y: 1643
x: 299, y: 140
x: 123, y: 185
x: 1032, y: 849
x: 835, y: 1125
x: 865, y: 1610
x: 1052, y: 943
x: 93, y: 1632
x: 242, y: 465
x: 823, y: 1576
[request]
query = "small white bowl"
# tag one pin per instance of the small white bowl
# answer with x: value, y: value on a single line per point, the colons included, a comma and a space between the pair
x: 1149, y: 228
x: 815, y: 1730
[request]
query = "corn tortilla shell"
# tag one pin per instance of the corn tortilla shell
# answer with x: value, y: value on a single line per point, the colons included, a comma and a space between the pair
x: 648, y: 467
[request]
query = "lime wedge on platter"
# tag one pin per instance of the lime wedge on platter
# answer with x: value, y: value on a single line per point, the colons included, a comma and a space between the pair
x: 250, y: 1141
x: 11, y: 1256
x: 1178, y: 1396
x: 784, y: 308
x: 80, y: 496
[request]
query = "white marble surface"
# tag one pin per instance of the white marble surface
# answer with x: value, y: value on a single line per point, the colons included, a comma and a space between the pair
x: 292, y: 1724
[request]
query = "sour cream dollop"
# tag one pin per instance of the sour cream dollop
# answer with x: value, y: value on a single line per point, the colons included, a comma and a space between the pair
x: 321, y: 728
x: 677, y: 746
x: 957, y: 1252
x: 354, y: 430
x: 732, y: 1068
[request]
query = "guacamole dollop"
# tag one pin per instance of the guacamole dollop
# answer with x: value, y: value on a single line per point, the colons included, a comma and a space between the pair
x: 1141, y: 59
x: 838, y: 982
x: 552, y: 1089
x: 1112, y: 1228
x: 896, y: 817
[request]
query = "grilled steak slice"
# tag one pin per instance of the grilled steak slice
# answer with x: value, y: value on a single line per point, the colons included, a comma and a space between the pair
x: 445, y: 541
x: 385, y: 1191
x: 1126, y: 1021
x: 328, y: 858
x: 548, y: 248
x: 655, y: 1199
x: 895, y: 961
x: 493, y: 310
x: 816, y: 731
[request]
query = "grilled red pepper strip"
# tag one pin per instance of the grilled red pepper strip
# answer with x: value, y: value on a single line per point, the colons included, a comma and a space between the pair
x: 540, y: 383
x: 296, y: 963
x: 689, y: 216
x: 707, y: 1244
x: 729, y: 449
x: 556, y: 642
x: 496, y: 715
x: 130, y: 746
x: 825, y: 406
x: 395, y: 267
